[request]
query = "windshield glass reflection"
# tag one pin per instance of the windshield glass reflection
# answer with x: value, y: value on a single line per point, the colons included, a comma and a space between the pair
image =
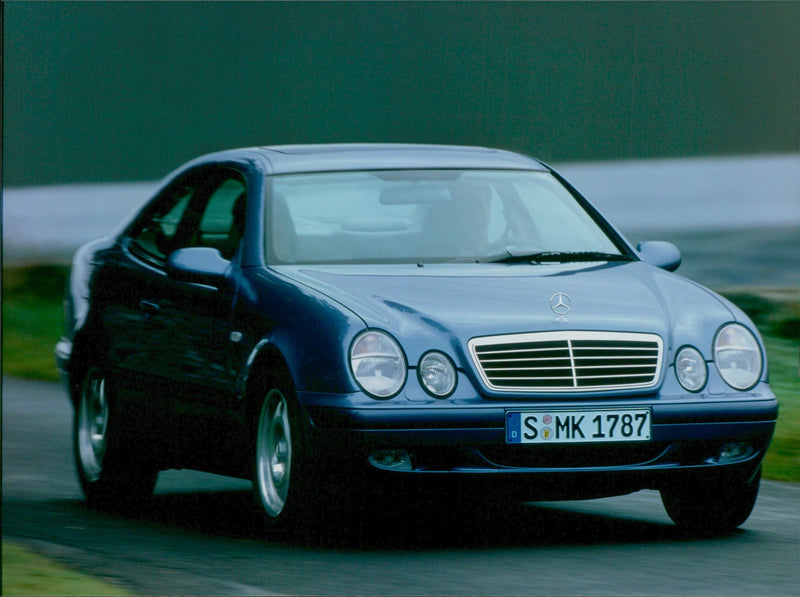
x: 425, y: 216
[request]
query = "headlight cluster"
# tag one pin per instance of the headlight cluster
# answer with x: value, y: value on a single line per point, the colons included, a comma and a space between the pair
x: 437, y: 374
x: 737, y: 357
x: 691, y: 369
x: 378, y: 364
x: 379, y: 367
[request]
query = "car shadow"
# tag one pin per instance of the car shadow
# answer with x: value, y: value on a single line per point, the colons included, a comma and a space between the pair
x: 406, y: 522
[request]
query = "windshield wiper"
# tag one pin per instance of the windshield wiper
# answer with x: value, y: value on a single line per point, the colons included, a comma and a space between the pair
x: 553, y: 257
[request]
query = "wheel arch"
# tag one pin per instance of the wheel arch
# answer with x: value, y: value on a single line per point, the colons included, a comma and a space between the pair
x: 266, y: 366
x: 80, y: 358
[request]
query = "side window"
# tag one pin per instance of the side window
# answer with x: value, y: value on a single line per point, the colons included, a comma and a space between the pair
x: 222, y: 223
x: 204, y: 209
x: 164, y: 230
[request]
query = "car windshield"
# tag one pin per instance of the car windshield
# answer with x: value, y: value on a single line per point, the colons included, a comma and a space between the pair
x: 426, y: 216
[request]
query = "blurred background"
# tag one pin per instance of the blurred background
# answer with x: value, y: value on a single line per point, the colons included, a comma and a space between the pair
x: 672, y: 117
x: 121, y: 91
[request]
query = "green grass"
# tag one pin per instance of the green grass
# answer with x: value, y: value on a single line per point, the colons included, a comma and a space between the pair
x: 32, y: 320
x: 783, y: 458
x: 27, y: 573
x: 32, y: 323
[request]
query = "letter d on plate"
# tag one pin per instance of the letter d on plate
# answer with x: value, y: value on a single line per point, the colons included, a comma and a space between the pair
x: 513, y: 428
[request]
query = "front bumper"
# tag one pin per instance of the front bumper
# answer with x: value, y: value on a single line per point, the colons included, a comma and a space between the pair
x: 690, y: 437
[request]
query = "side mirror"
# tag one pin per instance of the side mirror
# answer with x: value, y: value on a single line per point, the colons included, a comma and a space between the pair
x: 198, y: 265
x: 660, y: 254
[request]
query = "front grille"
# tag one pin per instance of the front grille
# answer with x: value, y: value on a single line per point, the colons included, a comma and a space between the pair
x: 568, y: 361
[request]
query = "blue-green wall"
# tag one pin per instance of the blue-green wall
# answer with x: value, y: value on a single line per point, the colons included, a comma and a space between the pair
x: 126, y: 91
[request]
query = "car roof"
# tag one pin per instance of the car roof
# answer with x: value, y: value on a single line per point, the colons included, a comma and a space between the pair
x: 285, y: 159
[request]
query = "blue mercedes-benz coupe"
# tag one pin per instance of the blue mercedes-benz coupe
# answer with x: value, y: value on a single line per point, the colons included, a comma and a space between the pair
x: 322, y: 318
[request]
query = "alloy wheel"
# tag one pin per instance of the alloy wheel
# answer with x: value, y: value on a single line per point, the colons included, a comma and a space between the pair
x: 274, y: 453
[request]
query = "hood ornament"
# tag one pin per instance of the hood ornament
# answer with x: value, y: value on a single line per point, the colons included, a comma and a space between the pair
x: 561, y: 304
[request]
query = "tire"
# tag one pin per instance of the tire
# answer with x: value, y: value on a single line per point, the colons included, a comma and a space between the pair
x: 711, y: 508
x: 284, y: 473
x: 109, y: 473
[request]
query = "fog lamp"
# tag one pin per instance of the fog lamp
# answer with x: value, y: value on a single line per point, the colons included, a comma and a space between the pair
x: 392, y: 460
x: 735, y: 451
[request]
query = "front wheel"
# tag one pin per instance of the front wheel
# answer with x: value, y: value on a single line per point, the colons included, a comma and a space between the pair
x: 109, y: 473
x: 274, y: 453
x: 283, y: 479
x: 711, y: 507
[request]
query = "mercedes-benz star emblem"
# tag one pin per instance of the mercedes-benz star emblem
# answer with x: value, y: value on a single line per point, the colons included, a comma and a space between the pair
x: 561, y: 304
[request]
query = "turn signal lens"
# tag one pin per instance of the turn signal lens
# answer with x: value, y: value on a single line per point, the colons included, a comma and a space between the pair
x: 737, y: 356
x: 690, y: 368
x: 378, y: 364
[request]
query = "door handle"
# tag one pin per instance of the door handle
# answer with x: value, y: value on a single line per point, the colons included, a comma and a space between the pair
x: 149, y: 308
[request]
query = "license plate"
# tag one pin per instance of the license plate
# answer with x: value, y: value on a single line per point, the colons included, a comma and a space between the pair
x: 577, y: 426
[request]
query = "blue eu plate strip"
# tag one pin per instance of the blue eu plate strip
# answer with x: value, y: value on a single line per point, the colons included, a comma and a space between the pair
x: 513, y: 428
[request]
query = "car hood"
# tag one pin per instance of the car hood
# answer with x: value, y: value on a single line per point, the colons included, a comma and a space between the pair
x: 436, y: 305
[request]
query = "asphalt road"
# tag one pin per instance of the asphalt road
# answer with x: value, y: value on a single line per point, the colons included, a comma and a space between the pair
x: 197, y: 536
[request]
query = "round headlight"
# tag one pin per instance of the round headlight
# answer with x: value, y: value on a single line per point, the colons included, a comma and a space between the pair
x: 378, y: 364
x: 690, y: 368
x: 437, y: 374
x: 737, y: 356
